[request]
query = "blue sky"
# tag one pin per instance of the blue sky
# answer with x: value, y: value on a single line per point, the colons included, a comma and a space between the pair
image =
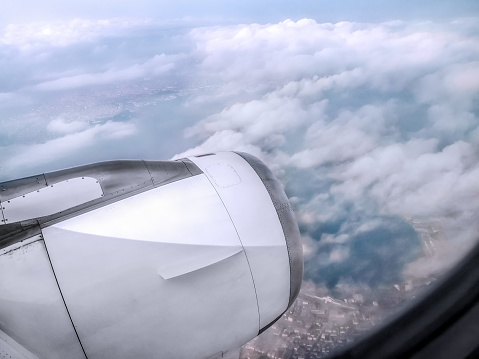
x: 238, y: 11
x: 367, y: 113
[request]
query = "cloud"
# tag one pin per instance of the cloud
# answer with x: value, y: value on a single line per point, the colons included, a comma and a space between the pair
x: 365, y: 123
x: 345, y: 138
x: 390, y: 56
x: 70, y: 144
x: 158, y: 65
x: 59, y: 125
x: 81, y: 52
x: 31, y: 36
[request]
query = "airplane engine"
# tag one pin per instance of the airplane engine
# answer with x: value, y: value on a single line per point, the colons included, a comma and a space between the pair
x: 145, y: 259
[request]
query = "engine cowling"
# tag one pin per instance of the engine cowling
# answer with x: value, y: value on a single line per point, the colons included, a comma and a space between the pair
x: 144, y: 259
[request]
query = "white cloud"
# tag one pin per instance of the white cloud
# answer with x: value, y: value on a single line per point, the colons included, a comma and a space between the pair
x: 413, y: 179
x: 222, y: 141
x: 382, y: 118
x: 455, y: 84
x: 348, y: 136
x: 339, y: 255
x: 310, y: 247
x: 59, y: 125
x: 32, y: 36
x: 256, y: 126
x: 389, y: 56
x: 160, y: 64
x: 67, y: 145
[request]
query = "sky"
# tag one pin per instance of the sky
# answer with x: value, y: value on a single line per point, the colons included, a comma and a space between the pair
x: 368, y: 113
x: 231, y: 11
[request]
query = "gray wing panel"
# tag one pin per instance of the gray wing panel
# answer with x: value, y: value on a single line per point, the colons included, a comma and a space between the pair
x: 118, y: 179
x: 16, y: 188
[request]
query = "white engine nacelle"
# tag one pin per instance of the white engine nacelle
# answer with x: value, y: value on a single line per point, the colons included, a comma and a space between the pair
x: 145, y: 259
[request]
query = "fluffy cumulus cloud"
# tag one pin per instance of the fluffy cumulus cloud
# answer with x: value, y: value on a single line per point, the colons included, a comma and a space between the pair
x: 373, y: 128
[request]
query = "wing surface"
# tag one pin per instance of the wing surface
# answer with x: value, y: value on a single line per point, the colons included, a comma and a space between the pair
x: 9, y: 348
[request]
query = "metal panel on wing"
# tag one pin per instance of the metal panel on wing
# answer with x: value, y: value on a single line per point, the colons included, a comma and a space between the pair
x: 51, y: 199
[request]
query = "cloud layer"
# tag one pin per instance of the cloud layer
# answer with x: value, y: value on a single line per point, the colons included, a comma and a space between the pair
x: 369, y: 125
x: 373, y: 128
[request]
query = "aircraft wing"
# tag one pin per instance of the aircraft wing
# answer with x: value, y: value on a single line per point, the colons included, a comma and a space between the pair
x: 9, y: 348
